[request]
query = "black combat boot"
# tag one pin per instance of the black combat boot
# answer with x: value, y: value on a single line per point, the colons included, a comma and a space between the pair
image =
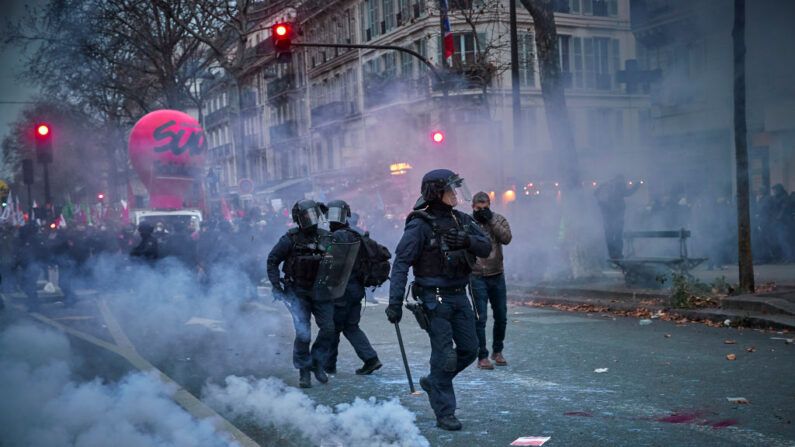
x: 449, y: 422
x: 320, y: 374
x: 369, y: 366
x: 305, y: 379
x: 330, y: 369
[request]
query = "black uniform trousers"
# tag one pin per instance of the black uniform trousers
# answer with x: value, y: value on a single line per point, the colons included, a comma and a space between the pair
x: 347, y: 314
x: 451, y: 321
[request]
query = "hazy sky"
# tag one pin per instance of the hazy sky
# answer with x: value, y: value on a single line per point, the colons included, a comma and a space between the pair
x: 10, y: 60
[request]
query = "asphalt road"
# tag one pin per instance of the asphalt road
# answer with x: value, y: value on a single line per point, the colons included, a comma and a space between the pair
x: 657, y: 390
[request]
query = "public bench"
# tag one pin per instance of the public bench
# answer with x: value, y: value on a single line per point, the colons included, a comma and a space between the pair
x: 646, y: 271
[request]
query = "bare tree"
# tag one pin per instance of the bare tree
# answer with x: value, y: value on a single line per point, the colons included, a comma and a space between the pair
x: 579, y: 245
x: 486, y: 61
x: 223, y: 27
x: 112, y: 61
x: 745, y: 258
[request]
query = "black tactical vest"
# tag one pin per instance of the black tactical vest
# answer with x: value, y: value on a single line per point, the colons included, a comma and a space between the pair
x: 301, y: 265
x: 436, y: 260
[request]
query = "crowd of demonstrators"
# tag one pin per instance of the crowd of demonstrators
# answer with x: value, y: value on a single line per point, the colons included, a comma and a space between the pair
x: 773, y: 225
x: 31, y: 252
x: 712, y: 220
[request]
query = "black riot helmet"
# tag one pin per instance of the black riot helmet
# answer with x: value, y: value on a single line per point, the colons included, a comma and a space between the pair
x: 436, y: 182
x: 306, y: 213
x: 338, y: 212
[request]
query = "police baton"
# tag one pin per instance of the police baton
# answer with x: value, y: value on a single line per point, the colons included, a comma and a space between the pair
x: 405, y: 360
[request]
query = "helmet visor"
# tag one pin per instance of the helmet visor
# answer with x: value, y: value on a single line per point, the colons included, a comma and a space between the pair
x: 308, y: 217
x: 460, y: 189
x: 337, y: 214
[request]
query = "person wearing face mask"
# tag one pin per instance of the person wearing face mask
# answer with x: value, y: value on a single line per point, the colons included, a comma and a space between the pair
x: 488, y: 281
x: 440, y: 244
x: 300, y: 251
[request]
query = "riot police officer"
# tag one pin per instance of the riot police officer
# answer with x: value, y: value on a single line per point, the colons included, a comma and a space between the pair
x: 348, y: 308
x: 301, y: 250
x: 440, y: 244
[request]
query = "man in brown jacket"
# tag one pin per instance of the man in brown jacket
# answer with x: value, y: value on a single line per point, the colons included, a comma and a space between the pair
x: 488, y: 281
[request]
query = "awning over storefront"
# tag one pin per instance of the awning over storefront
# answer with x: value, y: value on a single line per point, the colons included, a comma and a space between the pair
x: 281, y: 186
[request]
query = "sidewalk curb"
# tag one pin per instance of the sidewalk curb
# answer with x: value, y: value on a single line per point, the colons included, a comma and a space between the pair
x: 737, y: 317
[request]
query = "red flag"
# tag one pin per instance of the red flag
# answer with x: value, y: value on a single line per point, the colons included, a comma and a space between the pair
x: 449, y: 45
x: 225, y: 210
x: 125, y: 212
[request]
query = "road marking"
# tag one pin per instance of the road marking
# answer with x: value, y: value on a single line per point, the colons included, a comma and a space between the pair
x: 75, y: 317
x: 126, y: 349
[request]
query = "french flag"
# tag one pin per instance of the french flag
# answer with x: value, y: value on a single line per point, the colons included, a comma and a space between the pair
x: 449, y: 46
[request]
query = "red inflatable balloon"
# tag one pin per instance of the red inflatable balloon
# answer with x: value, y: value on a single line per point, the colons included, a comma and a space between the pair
x: 167, y: 150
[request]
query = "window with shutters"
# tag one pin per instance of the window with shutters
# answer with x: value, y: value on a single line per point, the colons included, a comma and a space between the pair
x: 407, y: 65
x: 564, y: 54
x: 389, y: 15
x: 527, y: 52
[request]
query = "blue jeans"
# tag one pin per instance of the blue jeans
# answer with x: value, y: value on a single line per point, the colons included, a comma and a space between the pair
x: 490, y: 289
x: 451, y: 320
x: 302, y: 309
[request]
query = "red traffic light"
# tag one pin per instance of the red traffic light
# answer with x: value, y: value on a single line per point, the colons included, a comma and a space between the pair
x: 100, y: 196
x: 280, y: 30
x: 437, y: 137
x: 43, y: 130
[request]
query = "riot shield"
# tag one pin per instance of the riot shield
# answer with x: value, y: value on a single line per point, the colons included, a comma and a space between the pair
x: 335, y: 270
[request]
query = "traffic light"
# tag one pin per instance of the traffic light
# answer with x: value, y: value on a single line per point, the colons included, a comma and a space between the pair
x: 43, y: 137
x: 283, y: 33
x: 100, y: 196
x: 437, y: 137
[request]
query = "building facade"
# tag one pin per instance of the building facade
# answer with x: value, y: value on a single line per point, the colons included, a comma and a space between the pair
x: 331, y: 116
x: 692, y: 113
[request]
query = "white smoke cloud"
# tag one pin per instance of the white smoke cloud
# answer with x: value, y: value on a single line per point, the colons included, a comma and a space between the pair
x: 44, y: 406
x: 362, y: 423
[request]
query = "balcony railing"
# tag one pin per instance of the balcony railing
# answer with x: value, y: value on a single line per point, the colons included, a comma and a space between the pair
x: 281, y: 85
x: 216, y: 117
x: 329, y: 112
x: 284, y: 131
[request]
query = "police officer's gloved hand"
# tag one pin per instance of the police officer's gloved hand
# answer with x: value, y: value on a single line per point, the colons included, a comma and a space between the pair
x: 456, y: 239
x: 394, y: 312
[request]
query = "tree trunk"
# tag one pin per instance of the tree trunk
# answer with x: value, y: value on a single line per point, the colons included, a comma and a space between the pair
x: 579, y: 215
x: 744, y: 258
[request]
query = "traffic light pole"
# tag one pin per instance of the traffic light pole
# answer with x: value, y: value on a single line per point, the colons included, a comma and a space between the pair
x: 47, y: 197
x: 515, y: 92
x: 435, y: 72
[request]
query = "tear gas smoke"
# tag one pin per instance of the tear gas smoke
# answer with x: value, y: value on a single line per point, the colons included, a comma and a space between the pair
x: 362, y: 423
x: 44, y: 406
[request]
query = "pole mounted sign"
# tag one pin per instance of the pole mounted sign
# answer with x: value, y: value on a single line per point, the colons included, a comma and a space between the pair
x: 246, y: 186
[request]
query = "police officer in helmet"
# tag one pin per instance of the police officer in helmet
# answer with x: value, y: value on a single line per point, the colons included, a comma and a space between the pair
x: 300, y: 250
x: 348, y: 308
x: 440, y: 244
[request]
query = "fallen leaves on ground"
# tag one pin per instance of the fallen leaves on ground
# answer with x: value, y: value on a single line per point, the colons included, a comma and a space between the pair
x: 667, y: 335
x: 751, y: 349
x: 731, y: 357
x: 729, y: 342
x: 633, y: 313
